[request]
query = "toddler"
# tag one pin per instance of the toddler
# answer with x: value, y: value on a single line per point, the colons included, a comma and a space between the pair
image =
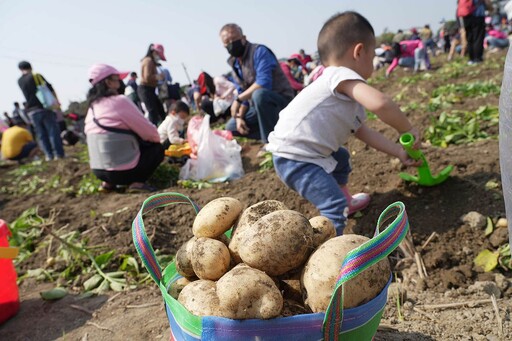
x: 307, y: 141
x: 169, y: 129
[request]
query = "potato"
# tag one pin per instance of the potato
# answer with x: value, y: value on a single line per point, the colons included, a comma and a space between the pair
x: 277, y: 242
x: 323, y: 229
x: 249, y: 217
x: 322, y: 270
x: 177, y: 286
x: 217, y: 217
x: 182, y: 259
x: 200, y: 298
x: 246, y: 293
x: 502, y: 222
x: 210, y: 258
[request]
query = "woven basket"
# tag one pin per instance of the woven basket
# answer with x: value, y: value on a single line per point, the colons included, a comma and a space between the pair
x: 359, y: 323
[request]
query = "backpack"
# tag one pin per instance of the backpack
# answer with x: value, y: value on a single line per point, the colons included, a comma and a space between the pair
x: 465, y: 8
x: 206, y: 84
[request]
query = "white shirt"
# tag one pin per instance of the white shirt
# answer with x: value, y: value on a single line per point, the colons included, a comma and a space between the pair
x: 169, y: 129
x: 318, y: 121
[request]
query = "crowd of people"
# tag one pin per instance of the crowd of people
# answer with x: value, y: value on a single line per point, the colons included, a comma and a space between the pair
x: 477, y: 28
x: 131, y: 122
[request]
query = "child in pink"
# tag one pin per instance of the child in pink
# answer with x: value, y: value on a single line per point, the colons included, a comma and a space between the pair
x: 495, y: 39
x: 409, y: 53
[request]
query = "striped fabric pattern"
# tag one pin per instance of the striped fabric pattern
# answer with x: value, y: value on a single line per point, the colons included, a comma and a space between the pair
x: 361, y: 258
x: 140, y: 238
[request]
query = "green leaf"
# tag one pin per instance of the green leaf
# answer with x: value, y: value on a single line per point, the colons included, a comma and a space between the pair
x: 104, y: 286
x: 116, y: 286
x: 92, y: 282
x: 487, y: 260
x: 35, y: 272
x: 85, y: 295
x: 129, y: 264
x: 116, y: 274
x: 505, y: 250
x: 490, y: 227
x: 53, y: 294
x: 442, y: 117
x: 104, y: 258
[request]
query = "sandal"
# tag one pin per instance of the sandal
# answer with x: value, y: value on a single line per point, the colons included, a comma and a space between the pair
x: 140, y: 189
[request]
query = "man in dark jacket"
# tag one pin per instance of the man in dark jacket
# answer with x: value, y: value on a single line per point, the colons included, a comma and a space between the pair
x: 263, y: 90
x: 43, y: 120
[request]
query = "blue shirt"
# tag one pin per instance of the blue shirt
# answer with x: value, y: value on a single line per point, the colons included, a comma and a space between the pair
x: 264, y: 64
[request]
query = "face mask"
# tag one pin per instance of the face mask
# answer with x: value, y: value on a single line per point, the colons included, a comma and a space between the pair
x: 180, y: 121
x: 236, y: 48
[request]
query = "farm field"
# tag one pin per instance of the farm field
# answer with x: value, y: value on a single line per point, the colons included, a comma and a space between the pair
x: 61, y: 223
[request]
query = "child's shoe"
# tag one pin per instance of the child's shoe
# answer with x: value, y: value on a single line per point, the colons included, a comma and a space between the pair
x: 358, y: 202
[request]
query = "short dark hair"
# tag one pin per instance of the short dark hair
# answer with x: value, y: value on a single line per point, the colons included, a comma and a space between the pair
x: 340, y: 32
x: 179, y: 106
x: 24, y: 65
x: 16, y: 104
x: 231, y: 26
x: 133, y: 74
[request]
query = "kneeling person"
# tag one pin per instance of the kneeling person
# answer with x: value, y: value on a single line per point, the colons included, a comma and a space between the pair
x: 18, y: 144
x: 124, y: 147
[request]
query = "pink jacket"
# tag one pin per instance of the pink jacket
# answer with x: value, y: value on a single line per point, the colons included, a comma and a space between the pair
x: 120, y: 112
x: 293, y: 82
x: 407, y: 48
x: 497, y: 34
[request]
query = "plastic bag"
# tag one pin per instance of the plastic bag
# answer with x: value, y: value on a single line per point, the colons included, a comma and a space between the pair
x: 218, y: 159
x: 220, y: 106
x: 193, y: 129
x: 44, y: 94
x: 505, y: 137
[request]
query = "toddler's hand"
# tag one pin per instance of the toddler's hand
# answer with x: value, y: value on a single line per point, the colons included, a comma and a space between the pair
x: 406, y: 159
x: 417, y: 137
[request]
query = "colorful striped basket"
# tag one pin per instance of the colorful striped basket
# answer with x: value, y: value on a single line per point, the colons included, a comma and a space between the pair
x: 358, y: 323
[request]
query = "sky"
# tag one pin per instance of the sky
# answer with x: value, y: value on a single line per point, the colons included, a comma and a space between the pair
x: 62, y: 39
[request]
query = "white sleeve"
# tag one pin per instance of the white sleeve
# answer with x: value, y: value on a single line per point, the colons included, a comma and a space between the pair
x: 338, y: 75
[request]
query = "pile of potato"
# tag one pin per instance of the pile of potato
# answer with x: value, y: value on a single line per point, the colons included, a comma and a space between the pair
x: 277, y: 263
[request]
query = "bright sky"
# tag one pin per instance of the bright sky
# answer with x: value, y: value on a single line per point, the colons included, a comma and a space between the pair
x: 61, y: 39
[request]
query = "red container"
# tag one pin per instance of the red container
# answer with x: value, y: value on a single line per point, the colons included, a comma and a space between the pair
x: 9, y: 298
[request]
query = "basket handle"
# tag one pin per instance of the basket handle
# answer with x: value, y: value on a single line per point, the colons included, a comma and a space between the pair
x: 140, y: 238
x: 364, y: 256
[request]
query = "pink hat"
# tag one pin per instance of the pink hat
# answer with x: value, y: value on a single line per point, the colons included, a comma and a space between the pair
x: 99, y: 72
x: 158, y: 48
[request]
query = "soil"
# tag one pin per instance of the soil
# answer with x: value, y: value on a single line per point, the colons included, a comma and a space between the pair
x: 139, y: 314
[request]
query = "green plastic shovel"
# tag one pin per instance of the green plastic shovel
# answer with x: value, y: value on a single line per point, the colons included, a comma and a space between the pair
x: 425, y: 177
